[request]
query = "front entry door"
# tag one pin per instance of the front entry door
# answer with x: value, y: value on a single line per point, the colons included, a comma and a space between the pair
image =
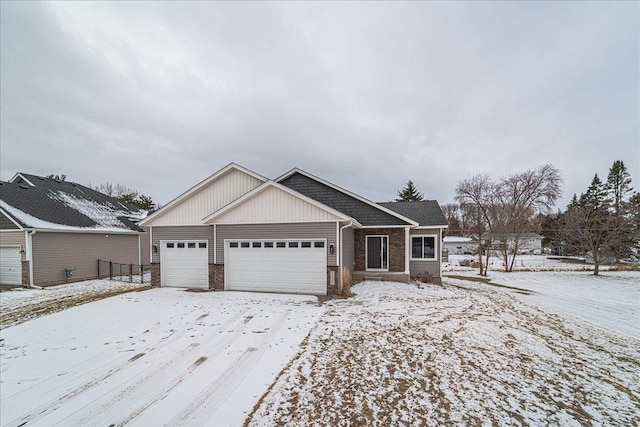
x: 377, y: 253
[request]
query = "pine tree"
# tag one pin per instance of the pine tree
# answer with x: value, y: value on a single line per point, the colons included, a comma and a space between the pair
x: 618, y: 185
x: 409, y: 193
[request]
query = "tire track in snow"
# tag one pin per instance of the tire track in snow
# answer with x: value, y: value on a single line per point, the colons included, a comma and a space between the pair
x: 209, y: 400
x: 95, y: 378
x: 125, y: 399
x: 80, y: 372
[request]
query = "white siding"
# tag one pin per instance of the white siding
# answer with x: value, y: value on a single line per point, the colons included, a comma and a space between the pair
x: 275, y: 205
x: 209, y: 199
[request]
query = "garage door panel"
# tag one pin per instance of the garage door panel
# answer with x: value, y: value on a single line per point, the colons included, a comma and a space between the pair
x: 184, y: 266
x: 10, y: 266
x: 287, y: 269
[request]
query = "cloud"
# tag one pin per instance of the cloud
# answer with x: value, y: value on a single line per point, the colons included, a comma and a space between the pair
x: 157, y: 96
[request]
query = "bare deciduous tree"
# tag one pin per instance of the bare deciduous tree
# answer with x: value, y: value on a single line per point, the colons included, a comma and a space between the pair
x: 506, y: 209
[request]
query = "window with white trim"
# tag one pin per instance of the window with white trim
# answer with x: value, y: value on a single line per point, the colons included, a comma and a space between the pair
x: 423, y: 247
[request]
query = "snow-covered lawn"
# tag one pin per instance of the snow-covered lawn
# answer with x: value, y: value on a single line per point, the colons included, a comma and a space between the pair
x: 610, y: 301
x: 20, y: 304
x: 562, y: 350
x: 162, y: 356
x: 458, y: 354
x: 523, y: 262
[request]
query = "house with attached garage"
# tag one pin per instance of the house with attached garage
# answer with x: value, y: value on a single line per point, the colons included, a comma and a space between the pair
x: 54, y: 231
x: 238, y: 230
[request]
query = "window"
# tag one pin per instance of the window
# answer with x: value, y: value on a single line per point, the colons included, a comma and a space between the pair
x: 318, y: 244
x: 423, y: 247
x: 244, y: 244
x: 233, y: 244
x: 293, y: 244
x: 191, y: 245
x: 180, y: 245
x: 170, y: 245
x: 306, y: 244
x: 281, y: 245
x: 202, y: 245
x: 256, y: 244
x: 268, y: 244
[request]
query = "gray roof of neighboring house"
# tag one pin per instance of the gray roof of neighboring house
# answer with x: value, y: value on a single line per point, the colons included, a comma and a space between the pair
x: 363, y: 212
x: 426, y: 212
x: 62, y: 205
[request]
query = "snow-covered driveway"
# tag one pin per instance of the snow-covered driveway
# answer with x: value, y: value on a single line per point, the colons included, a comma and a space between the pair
x: 158, y: 357
x: 458, y: 354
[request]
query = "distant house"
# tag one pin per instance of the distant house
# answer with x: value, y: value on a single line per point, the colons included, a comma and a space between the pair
x: 459, y: 245
x: 55, y: 231
x: 238, y: 230
x: 528, y: 243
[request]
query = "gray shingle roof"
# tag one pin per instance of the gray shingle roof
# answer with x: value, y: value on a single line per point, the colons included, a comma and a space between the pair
x: 426, y: 212
x: 65, y: 205
x: 362, y: 212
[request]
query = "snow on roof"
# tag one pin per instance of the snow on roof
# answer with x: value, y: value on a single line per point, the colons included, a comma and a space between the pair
x: 33, y: 222
x: 66, y: 206
x: 105, y: 215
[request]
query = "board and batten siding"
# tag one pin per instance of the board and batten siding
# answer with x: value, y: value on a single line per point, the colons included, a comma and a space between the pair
x: 317, y: 230
x: 347, y: 255
x: 53, y: 252
x: 427, y: 266
x: 277, y: 206
x: 187, y: 233
x: 209, y: 199
x: 13, y: 238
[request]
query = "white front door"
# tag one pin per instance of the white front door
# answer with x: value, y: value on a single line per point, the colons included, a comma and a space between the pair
x: 10, y: 266
x: 289, y: 266
x: 184, y: 263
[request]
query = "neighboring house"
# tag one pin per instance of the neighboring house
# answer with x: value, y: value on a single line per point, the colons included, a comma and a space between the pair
x: 528, y: 243
x: 48, y: 227
x: 238, y: 230
x: 458, y: 245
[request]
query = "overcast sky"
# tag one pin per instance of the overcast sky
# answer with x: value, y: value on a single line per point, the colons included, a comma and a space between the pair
x: 157, y: 96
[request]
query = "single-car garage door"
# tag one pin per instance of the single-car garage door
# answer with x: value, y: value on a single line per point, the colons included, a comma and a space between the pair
x: 291, y: 266
x: 184, y: 263
x: 10, y: 266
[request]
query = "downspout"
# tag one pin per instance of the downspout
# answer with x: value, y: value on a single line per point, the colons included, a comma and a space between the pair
x: 30, y: 258
x: 340, y: 251
x: 407, y: 252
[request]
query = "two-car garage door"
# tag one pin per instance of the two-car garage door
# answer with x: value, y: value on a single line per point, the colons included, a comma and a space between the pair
x: 291, y: 266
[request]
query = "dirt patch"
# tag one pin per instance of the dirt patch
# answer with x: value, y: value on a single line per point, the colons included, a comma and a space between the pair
x: 453, y: 356
x: 33, y: 309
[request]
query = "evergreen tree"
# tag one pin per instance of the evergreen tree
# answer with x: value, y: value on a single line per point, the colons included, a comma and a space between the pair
x: 590, y: 226
x: 409, y: 193
x: 618, y: 184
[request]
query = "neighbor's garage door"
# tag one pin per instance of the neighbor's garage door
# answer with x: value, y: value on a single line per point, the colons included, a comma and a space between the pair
x: 184, y: 263
x: 292, y: 266
x: 10, y: 266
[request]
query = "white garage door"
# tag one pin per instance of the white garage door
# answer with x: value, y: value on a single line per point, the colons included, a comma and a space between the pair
x: 10, y: 266
x: 184, y: 263
x: 292, y: 266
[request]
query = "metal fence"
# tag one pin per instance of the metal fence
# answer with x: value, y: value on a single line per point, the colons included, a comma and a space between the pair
x: 137, y: 273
